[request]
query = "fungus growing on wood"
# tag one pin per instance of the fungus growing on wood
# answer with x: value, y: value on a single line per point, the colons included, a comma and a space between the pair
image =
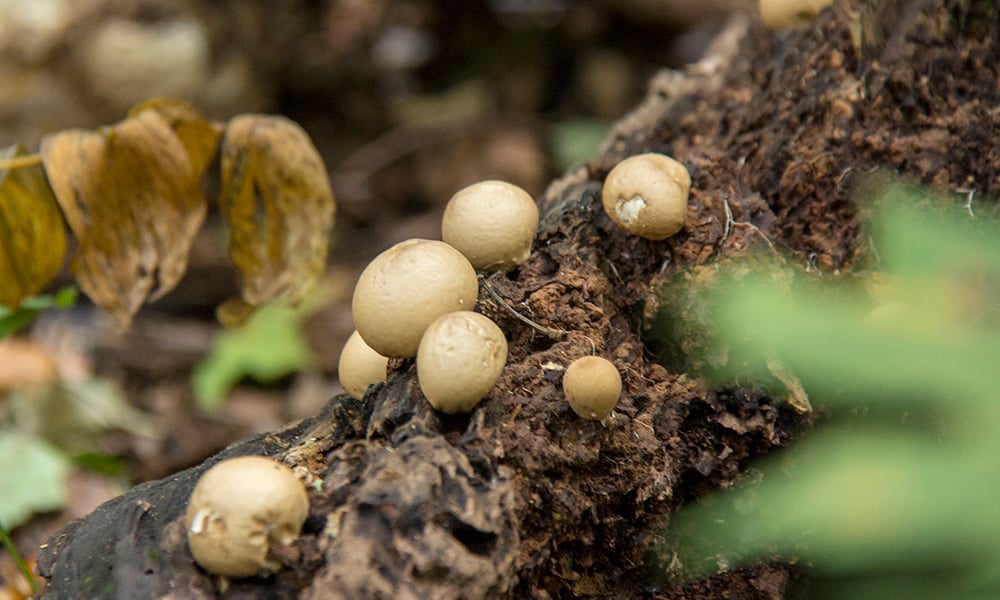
x: 492, y: 223
x: 405, y: 288
x: 592, y: 386
x: 360, y: 366
x: 238, y: 510
x: 460, y: 358
x: 647, y: 194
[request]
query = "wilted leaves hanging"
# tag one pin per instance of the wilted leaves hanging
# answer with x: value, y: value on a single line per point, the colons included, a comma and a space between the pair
x: 277, y: 200
x: 200, y: 138
x: 131, y: 197
x: 32, y: 235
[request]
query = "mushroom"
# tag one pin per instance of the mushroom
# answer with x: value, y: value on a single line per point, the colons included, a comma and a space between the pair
x: 492, y: 223
x: 592, y: 386
x: 405, y: 288
x: 647, y: 195
x: 785, y: 14
x: 238, y: 509
x: 360, y: 366
x: 460, y: 358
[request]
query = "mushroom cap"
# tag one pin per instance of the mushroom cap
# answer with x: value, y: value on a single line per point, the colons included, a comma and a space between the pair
x: 405, y: 288
x: 460, y: 358
x: 592, y: 386
x: 360, y: 366
x: 785, y: 14
x: 492, y: 223
x: 238, y: 509
x: 647, y: 194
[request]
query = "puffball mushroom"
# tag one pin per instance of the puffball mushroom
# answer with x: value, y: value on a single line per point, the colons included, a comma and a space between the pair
x: 592, y: 386
x: 647, y: 194
x: 238, y: 509
x: 492, y: 223
x: 785, y: 14
x: 360, y: 366
x: 405, y: 288
x: 460, y: 358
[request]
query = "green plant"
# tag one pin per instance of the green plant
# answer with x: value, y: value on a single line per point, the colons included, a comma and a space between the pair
x: 19, y: 562
x: 895, y: 494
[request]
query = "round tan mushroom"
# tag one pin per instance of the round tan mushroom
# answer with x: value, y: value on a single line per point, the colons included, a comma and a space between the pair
x: 647, y: 194
x: 460, y: 358
x: 592, y: 386
x: 238, y: 509
x: 405, y: 288
x: 785, y: 14
x: 360, y: 366
x: 492, y: 223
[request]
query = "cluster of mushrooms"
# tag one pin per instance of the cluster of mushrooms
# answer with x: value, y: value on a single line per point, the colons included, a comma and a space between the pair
x: 417, y: 299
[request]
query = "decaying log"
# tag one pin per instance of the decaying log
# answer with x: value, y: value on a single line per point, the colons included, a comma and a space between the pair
x: 521, y: 498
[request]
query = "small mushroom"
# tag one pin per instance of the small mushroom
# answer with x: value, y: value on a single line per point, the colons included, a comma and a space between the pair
x: 460, y: 358
x: 492, y: 223
x: 592, y: 386
x: 360, y: 366
x: 647, y: 194
x: 240, y: 508
x: 405, y: 288
x: 786, y: 14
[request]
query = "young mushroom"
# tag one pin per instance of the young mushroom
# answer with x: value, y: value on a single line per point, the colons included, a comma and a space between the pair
x: 592, y: 386
x: 405, y: 288
x: 647, y: 194
x: 360, y: 366
x: 492, y: 223
x: 240, y: 508
x: 460, y: 358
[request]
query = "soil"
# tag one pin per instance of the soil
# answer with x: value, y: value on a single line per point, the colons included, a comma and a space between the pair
x: 520, y: 498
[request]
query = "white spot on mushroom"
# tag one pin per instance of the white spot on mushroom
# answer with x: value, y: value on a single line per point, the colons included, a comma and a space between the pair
x: 629, y: 210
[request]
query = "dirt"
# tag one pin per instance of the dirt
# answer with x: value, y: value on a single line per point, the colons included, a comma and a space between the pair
x: 522, y: 499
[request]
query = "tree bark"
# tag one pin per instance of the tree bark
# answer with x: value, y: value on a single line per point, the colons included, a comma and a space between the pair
x: 521, y: 498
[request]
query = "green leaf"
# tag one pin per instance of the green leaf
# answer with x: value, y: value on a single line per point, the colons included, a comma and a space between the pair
x: 12, y: 320
x: 908, y: 492
x: 32, y: 477
x: 269, y: 346
x: 577, y: 141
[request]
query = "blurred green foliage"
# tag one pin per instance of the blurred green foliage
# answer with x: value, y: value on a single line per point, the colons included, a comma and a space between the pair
x: 270, y: 345
x: 32, y: 476
x: 13, y: 319
x: 576, y: 141
x: 897, y: 492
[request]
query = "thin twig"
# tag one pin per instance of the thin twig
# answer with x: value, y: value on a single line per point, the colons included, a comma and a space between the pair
x: 17, y: 162
x: 549, y: 331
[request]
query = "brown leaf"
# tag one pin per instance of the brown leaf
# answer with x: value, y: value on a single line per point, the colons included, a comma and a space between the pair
x: 32, y: 234
x: 200, y: 138
x: 277, y: 200
x: 131, y: 198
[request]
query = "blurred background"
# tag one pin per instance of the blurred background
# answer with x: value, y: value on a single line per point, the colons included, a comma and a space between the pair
x: 407, y: 100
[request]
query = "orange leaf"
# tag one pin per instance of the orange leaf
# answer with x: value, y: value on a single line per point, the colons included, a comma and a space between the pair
x: 130, y: 195
x: 277, y: 200
x: 32, y: 234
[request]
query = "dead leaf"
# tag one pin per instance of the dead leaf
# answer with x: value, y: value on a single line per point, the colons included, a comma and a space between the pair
x: 200, y: 138
x: 130, y: 195
x: 32, y: 234
x: 277, y: 200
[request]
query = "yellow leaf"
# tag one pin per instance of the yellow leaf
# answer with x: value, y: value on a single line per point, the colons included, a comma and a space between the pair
x: 130, y: 195
x: 32, y: 234
x: 200, y: 138
x: 277, y: 200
